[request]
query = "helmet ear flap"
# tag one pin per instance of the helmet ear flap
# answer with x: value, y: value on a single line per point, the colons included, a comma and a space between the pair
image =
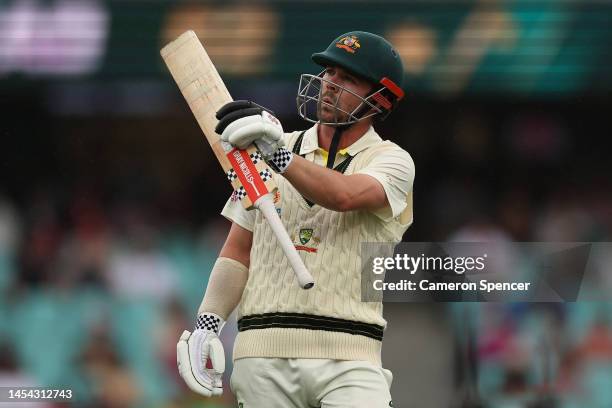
x: 385, y: 100
x: 382, y: 99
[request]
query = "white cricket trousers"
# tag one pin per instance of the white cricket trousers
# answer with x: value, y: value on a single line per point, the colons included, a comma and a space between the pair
x: 309, y: 383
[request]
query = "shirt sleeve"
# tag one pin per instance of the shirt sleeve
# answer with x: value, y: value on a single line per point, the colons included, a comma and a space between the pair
x: 235, y: 212
x: 394, y: 170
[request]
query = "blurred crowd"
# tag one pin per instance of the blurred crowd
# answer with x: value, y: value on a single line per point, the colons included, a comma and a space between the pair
x: 541, y: 355
x: 94, y: 299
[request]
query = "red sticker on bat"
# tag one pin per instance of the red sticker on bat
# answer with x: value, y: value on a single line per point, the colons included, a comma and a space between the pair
x: 247, y: 174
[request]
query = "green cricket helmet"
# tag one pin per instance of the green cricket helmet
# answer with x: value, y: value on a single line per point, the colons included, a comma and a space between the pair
x: 365, y: 55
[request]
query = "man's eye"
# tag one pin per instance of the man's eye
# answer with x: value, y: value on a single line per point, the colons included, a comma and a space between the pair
x: 348, y: 80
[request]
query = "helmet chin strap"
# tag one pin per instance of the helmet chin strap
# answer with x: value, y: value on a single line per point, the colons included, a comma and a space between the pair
x: 333, y: 146
x: 335, y: 142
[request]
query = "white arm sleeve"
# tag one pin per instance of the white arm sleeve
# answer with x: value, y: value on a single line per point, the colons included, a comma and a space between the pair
x: 225, y: 286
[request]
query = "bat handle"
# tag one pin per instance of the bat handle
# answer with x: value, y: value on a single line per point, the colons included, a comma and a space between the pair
x: 266, y: 206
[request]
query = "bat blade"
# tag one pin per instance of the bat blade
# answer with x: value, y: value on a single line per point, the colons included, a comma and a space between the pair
x: 205, y: 92
x: 252, y: 180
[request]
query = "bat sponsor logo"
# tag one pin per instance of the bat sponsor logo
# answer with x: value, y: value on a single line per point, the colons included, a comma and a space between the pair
x: 242, y: 165
x: 247, y: 173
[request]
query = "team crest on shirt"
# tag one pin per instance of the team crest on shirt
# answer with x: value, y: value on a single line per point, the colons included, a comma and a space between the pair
x: 349, y: 43
x: 306, y: 236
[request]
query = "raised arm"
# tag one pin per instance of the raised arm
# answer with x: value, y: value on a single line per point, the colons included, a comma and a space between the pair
x: 242, y: 123
x: 334, y: 190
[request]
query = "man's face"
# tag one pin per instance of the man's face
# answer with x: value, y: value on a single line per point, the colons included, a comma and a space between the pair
x: 335, y: 96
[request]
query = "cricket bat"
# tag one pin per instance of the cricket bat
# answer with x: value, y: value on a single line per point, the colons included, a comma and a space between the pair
x: 252, y: 180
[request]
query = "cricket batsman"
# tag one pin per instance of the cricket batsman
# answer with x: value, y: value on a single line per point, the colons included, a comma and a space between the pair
x: 339, y: 184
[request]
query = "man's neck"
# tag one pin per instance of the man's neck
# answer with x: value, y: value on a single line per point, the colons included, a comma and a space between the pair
x: 325, y: 133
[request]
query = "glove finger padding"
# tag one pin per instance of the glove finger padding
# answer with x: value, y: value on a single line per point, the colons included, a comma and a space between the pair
x: 192, y: 351
x: 264, y: 129
x: 234, y: 106
x: 216, y: 354
x: 242, y: 132
x: 235, y: 110
x: 186, y: 369
x: 230, y: 118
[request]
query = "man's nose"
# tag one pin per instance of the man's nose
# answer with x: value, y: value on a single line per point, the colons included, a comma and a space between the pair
x: 331, y: 86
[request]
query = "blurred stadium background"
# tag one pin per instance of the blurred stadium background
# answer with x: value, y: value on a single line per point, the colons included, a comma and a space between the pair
x: 110, y: 199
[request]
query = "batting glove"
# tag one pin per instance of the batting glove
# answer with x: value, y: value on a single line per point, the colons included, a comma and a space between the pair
x: 243, y: 122
x: 194, y: 350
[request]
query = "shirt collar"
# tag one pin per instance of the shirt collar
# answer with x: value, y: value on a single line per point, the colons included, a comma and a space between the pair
x: 310, y: 142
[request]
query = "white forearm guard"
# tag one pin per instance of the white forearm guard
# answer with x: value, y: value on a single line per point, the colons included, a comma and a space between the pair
x: 225, y: 286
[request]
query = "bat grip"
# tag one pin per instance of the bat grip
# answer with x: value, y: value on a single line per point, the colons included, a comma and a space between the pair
x: 266, y: 206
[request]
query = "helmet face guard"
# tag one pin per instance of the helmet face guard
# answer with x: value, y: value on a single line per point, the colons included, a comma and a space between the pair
x: 310, y: 102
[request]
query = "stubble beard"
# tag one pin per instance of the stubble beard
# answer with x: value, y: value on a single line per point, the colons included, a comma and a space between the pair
x: 330, y: 114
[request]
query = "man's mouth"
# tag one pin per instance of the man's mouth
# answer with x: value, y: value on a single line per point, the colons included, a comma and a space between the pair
x: 328, y: 99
